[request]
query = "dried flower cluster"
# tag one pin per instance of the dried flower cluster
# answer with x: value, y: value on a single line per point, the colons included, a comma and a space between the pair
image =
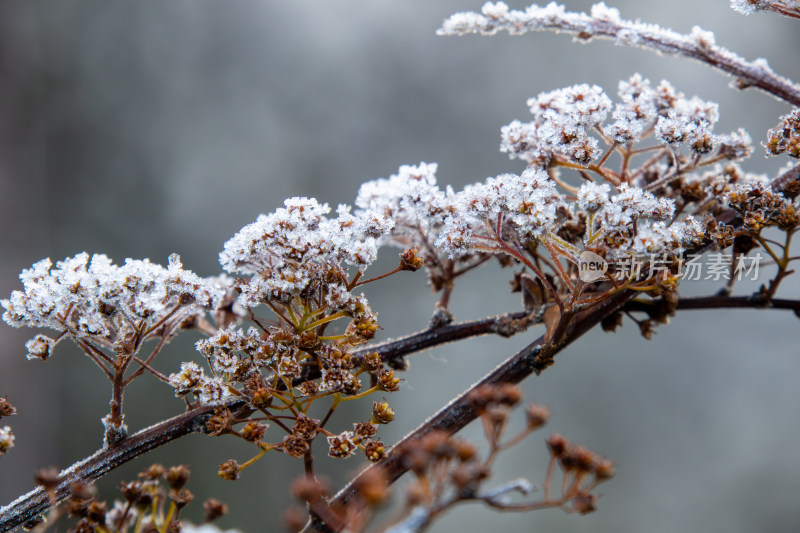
x: 153, y: 502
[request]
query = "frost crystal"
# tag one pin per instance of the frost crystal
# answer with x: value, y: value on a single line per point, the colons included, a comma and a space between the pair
x: 90, y: 297
x: 292, y: 249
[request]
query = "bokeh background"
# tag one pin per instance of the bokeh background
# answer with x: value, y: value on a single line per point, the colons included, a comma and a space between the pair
x: 142, y: 128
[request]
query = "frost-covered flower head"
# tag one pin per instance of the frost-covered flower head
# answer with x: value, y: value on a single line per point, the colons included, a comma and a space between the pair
x: 291, y: 250
x: 529, y: 203
x: 566, y: 121
x: 91, y: 297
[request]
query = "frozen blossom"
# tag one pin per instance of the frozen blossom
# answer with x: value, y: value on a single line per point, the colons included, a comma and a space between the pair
x: 561, y: 122
x: 292, y: 249
x: 592, y: 197
x: 530, y: 202
x: 411, y: 199
x: 342, y: 445
x: 188, y: 379
x: 90, y: 297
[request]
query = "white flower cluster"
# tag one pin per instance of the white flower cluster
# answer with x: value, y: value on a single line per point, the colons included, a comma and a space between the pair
x: 565, y: 119
x: 292, y: 249
x: 562, y: 118
x: 410, y: 198
x: 6, y: 439
x: 90, y: 297
x: 529, y: 203
x: 635, y: 222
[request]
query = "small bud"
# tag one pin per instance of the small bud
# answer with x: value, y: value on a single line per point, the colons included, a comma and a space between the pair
x: 214, y: 509
x: 373, y: 486
x: 295, y: 445
x: 177, y: 476
x: 382, y: 413
x: 305, y: 428
x: 6, y: 409
x: 603, y: 469
x: 375, y: 450
x: 131, y: 491
x: 254, y: 431
x: 537, y: 415
x: 557, y: 444
x: 372, y: 361
x: 153, y: 473
x: 97, y: 512
x: 584, y: 504
x: 181, y: 497
x: 365, y: 430
x: 229, y: 470
x: 387, y: 381
x: 410, y: 261
x: 262, y: 398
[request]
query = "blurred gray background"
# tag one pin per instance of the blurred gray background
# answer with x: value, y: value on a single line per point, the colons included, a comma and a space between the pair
x: 142, y: 128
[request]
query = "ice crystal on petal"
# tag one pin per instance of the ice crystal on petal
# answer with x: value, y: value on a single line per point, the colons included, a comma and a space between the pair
x: 592, y: 197
x: 188, y: 379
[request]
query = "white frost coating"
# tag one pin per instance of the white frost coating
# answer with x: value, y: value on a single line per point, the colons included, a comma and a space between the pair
x: 529, y: 201
x: 289, y: 250
x: 784, y: 7
x: 605, y: 22
x: 91, y: 297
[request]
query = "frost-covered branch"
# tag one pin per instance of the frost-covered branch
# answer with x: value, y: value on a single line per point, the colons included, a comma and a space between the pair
x: 605, y: 22
x: 788, y: 8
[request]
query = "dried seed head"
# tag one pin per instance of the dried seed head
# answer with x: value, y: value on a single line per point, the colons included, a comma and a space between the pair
x: 6, y: 409
x: 557, y: 444
x: 131, y: 491
x: 382, y: 413
x: 365, y: 430
x: 410, y: 261
x: 229, y: 470
x: 305, y: 428
x: 177, y: 476
x: 537, y: 415
x: 181, y: 497
x: 97, y: 512
x: 214, y: 509
x: 254, y: 431
x: 374, y: 450
x: 295, y: 445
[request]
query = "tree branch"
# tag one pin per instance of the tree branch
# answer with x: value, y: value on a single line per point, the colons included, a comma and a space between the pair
x: 29, y: 506
x: 606, y: 23
x: 722, y: 302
